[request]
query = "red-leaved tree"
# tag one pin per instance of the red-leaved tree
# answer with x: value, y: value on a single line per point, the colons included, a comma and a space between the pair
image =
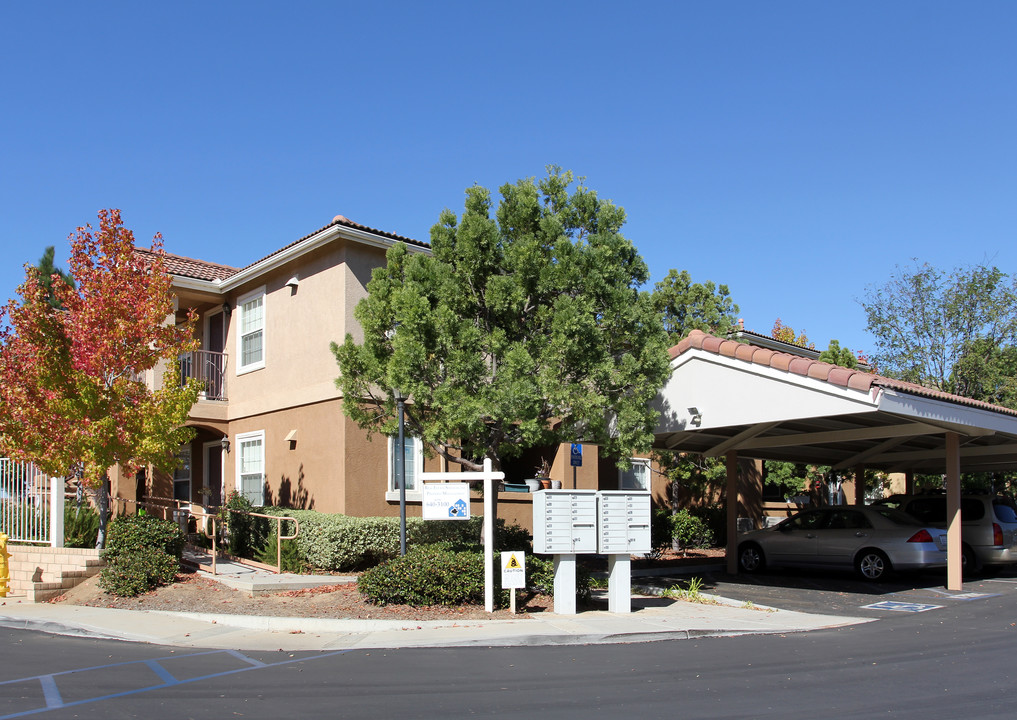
x: 73, y: 394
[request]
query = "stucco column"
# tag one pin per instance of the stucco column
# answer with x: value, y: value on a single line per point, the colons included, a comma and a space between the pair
x: 732, y: 512
x: 954, y: 549
x: 909, y: 482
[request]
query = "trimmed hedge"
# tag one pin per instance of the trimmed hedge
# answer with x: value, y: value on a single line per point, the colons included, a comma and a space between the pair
x: 427, y: 575
x: 142, y: 552
x: 440, y: 575
x: 340, y: 543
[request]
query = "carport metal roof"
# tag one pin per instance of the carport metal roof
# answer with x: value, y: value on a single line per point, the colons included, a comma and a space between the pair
x: 725, y: 398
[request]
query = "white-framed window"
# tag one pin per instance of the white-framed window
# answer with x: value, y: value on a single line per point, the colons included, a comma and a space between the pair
x: 414, y: 454
x: 251, y: 466
x: 182, y: 475
x: 251, y: 331
x: 637, y: 477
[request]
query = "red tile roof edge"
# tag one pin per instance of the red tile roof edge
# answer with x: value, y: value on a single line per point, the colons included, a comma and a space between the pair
x: 204, y: 270
x: 345, y: 222
x: 190, y: 267
x: 816, y: 369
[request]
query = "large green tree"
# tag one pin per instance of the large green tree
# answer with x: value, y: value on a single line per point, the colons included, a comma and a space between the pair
x: 686, y: 306
x: 954, y: 331
x: 73, y: 396
x: 524, y: 328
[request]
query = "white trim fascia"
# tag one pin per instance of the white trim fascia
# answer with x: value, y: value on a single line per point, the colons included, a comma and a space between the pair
x: 186, y: 283
x: 312, y: 243
x: 961, y: 418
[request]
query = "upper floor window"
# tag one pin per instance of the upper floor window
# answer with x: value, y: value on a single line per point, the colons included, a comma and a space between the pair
x: 637, y: 477
x: 251, y: 334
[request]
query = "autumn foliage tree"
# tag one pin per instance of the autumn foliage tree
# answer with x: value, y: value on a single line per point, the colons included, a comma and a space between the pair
x: 73, y: 396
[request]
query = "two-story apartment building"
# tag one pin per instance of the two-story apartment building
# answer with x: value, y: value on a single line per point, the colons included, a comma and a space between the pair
x: 270, y: 423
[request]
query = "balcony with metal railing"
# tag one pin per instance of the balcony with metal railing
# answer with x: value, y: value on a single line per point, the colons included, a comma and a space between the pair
x: 209, y: 368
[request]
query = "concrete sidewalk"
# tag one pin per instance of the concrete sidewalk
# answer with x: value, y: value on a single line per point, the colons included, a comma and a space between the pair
x: 652, y: 618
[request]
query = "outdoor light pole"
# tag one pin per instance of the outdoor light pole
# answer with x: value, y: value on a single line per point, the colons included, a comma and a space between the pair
x: 400, y: 469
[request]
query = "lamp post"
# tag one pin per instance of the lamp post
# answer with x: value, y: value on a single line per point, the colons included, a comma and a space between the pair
x: 400, y: 469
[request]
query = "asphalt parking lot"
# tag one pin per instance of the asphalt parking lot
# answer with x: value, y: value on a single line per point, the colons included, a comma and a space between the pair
x: 835, y: 593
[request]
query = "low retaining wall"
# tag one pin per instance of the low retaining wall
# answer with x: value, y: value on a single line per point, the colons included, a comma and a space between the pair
x: 39, y: 573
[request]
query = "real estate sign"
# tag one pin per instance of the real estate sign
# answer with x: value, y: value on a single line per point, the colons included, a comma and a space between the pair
x: 446, y: 501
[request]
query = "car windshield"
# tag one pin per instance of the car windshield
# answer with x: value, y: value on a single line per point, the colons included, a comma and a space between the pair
x: 895, y: 516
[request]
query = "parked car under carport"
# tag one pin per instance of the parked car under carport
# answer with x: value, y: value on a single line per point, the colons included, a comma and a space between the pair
x: 873, y: 540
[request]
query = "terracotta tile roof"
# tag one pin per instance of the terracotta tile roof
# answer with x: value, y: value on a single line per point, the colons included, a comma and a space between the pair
x: 818, y: 370
x: 189, y: 267
x: 202, y: 270
x: 345, y: 222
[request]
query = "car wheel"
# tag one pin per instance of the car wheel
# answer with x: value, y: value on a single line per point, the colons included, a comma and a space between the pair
x: 751, y: 558
x: 969, y: 563
x: 872, y: 565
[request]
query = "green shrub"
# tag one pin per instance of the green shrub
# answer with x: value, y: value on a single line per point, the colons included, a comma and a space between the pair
x: 244, y: 535
x: 715, y: 518
x: 661, y: 533
x: 291, y: 558
x: 81, y: 526
x: 427, y: 575
x: 142, y: 552
x: 540, y: 578
x: 690, y: 531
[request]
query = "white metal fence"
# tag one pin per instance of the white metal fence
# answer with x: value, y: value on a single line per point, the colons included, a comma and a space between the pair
x: 31, y: 504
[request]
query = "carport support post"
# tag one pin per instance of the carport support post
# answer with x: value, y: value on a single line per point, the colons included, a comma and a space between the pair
x: 732, y: 512
x: 954, y: 549
x: 859, y: 484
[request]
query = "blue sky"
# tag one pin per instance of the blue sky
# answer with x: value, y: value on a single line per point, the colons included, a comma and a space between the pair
x: 796, y: 151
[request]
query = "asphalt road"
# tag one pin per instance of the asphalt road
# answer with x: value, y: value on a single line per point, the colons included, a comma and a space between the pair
x: 952, y: 660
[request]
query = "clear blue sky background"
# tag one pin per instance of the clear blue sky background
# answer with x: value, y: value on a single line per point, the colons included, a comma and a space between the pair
x: 796, y: 151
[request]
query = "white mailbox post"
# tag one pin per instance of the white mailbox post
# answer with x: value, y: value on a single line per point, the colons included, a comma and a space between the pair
x: 565, y: 524
x: 623, y: 521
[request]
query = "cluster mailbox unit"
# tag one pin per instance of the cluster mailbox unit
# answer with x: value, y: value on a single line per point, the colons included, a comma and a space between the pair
x: 615, y: 523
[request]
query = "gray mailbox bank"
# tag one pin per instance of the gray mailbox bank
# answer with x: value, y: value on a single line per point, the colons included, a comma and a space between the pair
x: 615, y: 523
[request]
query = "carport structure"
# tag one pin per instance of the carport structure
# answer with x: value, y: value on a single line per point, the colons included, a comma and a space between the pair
x: 730, y: 399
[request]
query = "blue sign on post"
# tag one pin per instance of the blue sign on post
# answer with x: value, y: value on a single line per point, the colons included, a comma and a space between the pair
x: 577, y: 455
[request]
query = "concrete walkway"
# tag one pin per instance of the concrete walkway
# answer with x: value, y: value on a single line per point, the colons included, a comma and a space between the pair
x: 652, y: 618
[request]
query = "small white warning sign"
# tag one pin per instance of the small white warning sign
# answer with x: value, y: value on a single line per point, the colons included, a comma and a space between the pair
x: 513, y: 569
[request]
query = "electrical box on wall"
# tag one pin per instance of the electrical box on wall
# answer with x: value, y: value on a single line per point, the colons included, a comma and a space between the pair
x: 565, y: 522
x: 623, y: 519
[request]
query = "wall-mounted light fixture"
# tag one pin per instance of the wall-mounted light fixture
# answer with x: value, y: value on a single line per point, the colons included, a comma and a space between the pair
x: 225, y: 443
x: 697, y: 417
x: 227, y: 309
x: 293, y: 282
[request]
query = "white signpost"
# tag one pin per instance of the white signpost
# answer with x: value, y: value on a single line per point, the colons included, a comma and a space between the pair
x: 489, y: 477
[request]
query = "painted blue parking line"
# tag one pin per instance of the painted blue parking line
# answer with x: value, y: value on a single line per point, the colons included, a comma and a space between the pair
x: 54, y: 701
x: 240, y: 656
x: 161, y: 672
x: 50, y: 692
x: 901, y: 606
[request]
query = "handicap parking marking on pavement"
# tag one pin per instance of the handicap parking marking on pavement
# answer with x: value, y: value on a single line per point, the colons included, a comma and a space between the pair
x: 49, y: 696
x: 901, y: 606
x: 948, y: 595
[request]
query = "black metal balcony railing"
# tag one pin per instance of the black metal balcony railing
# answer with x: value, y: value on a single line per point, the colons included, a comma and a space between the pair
x: 209, y: 368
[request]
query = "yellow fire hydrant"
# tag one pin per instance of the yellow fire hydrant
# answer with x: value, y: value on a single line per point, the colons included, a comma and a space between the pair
x: 5, y: 567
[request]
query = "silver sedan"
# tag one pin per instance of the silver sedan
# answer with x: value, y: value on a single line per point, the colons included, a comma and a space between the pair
x: 873, y: 540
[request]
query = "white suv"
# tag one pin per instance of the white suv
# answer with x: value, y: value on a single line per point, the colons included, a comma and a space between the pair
x: 988, y: 525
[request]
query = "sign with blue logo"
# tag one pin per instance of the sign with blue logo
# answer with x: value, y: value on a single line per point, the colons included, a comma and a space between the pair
x: 446, y: 501
x: 577, y: 455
